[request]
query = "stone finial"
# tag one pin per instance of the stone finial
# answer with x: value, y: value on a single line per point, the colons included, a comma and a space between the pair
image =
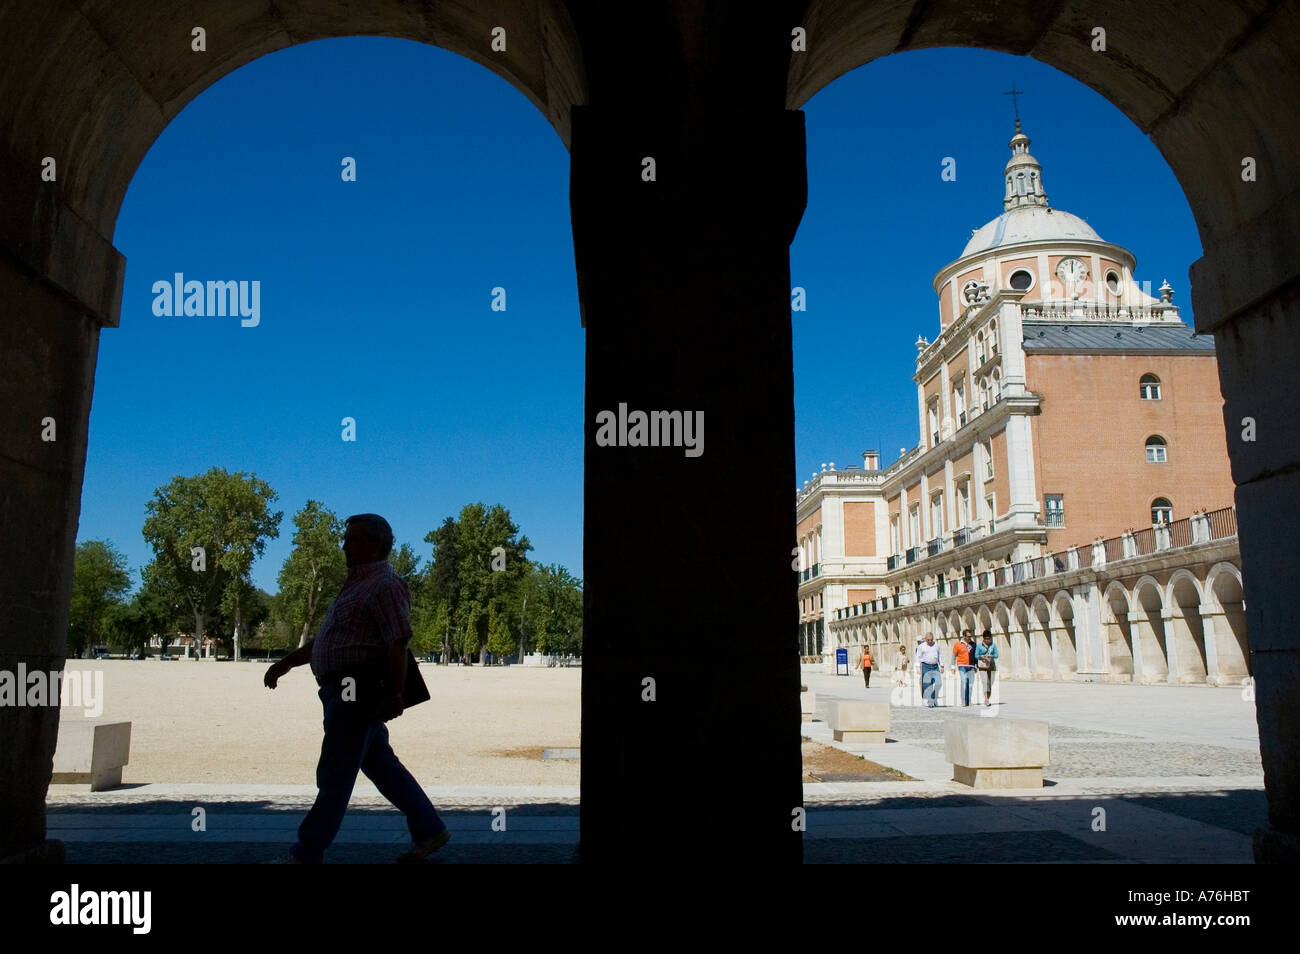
x: 1166, y: 292
x: 922, y: 342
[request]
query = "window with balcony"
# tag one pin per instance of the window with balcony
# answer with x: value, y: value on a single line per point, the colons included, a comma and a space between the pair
x: 895, y: 544
x: 1149, y: 387
x: 936, y: 515
x: 914, y: 524
x: 985, y: 393
x: 963, y: 505
x: 1054, y: 508
x: 1162, y: 511
x: 1156, y: 450
x: 991, y: 508
x: 988, y: 459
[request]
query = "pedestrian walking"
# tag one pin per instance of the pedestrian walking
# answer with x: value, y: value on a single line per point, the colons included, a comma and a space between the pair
x: 963, y: 657
x: 900, y: 668
x: 359, y: 659
x: 930, y: 660
x: 986, y: 662
x: 866, y: 668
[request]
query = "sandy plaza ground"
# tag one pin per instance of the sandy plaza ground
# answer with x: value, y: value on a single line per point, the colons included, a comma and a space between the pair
x: 207, y: 721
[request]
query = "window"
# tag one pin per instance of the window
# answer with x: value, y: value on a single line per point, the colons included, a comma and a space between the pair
x: 984, y: 393
x: 988, y: 460
x: 1156, y: 450
x: 1112, y: 282
x: 934, y: 423
x: 979, y: 347
x: 914, y: 524
x: 1021, y: 280
x: 1162, y: 511
x: 936, y: 515
x: 990, y: 507
x: 1055, y: 510
x: 959, y: 403
x: 1149, y: 387
x: 963, y: 505
x: 993, y: 336
x: 893, y: 534
x: 997, y: 385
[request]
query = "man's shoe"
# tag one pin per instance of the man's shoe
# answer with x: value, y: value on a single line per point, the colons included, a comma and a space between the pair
x: 423, y: 849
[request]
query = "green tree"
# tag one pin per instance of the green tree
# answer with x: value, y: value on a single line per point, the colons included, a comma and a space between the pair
x: 313, y: 572
x: 442, y: 579
x: 405, y: 564
x: 555, y: 612
x: 500, y: 640
x: 218, y: 521
x: 493, y: 562
x: 429, y: 626
x: 100, y: 580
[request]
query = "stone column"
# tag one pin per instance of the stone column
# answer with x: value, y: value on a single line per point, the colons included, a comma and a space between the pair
x: 685, y: 291
x: 49, y: 337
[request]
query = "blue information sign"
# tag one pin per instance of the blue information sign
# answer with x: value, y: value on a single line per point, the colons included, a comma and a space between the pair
x: 841, y: 659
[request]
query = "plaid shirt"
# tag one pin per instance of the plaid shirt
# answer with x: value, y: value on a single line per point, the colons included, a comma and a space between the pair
x: 371, y: 612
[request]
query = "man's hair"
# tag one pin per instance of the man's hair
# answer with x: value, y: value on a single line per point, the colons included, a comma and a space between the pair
x: 376, y: 529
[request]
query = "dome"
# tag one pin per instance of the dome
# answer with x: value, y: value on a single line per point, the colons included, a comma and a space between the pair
x: 1029, y: 223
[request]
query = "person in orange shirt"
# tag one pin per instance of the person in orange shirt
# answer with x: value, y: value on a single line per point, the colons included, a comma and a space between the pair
x: 866, y: 667
x: 963, y: 657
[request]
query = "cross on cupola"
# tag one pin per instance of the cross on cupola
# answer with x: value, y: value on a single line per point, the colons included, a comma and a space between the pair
x: 1023, y: 174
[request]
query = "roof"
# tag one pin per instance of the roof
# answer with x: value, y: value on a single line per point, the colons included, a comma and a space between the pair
x: 1053, y: 336
x: 1029, y: 223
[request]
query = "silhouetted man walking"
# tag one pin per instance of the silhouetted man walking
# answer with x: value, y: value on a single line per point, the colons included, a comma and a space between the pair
x: 359, y: 660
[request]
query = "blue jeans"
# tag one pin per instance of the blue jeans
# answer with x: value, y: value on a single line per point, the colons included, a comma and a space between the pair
x: 930, y: 683
x: 967, y: 676
x: 356, y: 741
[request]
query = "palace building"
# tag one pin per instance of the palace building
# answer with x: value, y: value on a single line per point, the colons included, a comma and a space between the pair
x: 1070, y: 488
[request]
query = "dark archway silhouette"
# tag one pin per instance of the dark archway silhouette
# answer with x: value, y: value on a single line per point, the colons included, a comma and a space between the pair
x: 685, y: 296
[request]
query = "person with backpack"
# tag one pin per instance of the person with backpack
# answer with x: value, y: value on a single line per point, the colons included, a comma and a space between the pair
x: 986, y: 663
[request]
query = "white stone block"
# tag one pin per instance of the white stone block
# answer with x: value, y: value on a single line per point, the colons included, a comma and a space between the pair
x: 860, y: 721
x: 91, y: 752
x: 997, y: 753
x: 808, y: 704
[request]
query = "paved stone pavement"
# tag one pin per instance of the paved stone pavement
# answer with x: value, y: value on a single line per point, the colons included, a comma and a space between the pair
x: 1175, y: 771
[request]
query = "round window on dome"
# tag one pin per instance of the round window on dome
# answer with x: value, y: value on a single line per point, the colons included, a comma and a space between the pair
x: 1112, y: 282
x: 1021, y: 279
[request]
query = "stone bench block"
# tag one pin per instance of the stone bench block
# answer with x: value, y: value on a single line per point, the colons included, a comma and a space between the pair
x: 91, y: 752
x: 808, y: 704
x: 996, y: 753
x: 860, y: 721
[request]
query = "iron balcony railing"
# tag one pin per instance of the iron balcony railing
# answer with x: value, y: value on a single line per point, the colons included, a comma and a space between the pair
x: 1198, y: 529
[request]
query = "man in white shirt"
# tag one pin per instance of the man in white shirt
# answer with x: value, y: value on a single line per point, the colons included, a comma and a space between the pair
x: 929, y: 658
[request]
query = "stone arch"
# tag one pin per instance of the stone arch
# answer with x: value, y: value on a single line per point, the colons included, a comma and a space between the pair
x: 1224, y: 613
x: 1065, y: 646
x: 1010, y: 641
x: 1151, y: 653
x: 1117, y: 633
x: 1186, y: 628
x: 1040, y: 638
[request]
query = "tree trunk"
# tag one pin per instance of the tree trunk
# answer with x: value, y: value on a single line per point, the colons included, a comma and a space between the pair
x: 239, y: 625
x: 198, y: 635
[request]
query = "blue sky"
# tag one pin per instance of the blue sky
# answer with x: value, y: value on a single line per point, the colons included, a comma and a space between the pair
x: 375, y: 294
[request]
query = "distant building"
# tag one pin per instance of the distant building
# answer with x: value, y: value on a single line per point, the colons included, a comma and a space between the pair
x: 1060, y: 404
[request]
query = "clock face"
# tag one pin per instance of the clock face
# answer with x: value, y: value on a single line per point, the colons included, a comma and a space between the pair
x: 1072, y: 271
